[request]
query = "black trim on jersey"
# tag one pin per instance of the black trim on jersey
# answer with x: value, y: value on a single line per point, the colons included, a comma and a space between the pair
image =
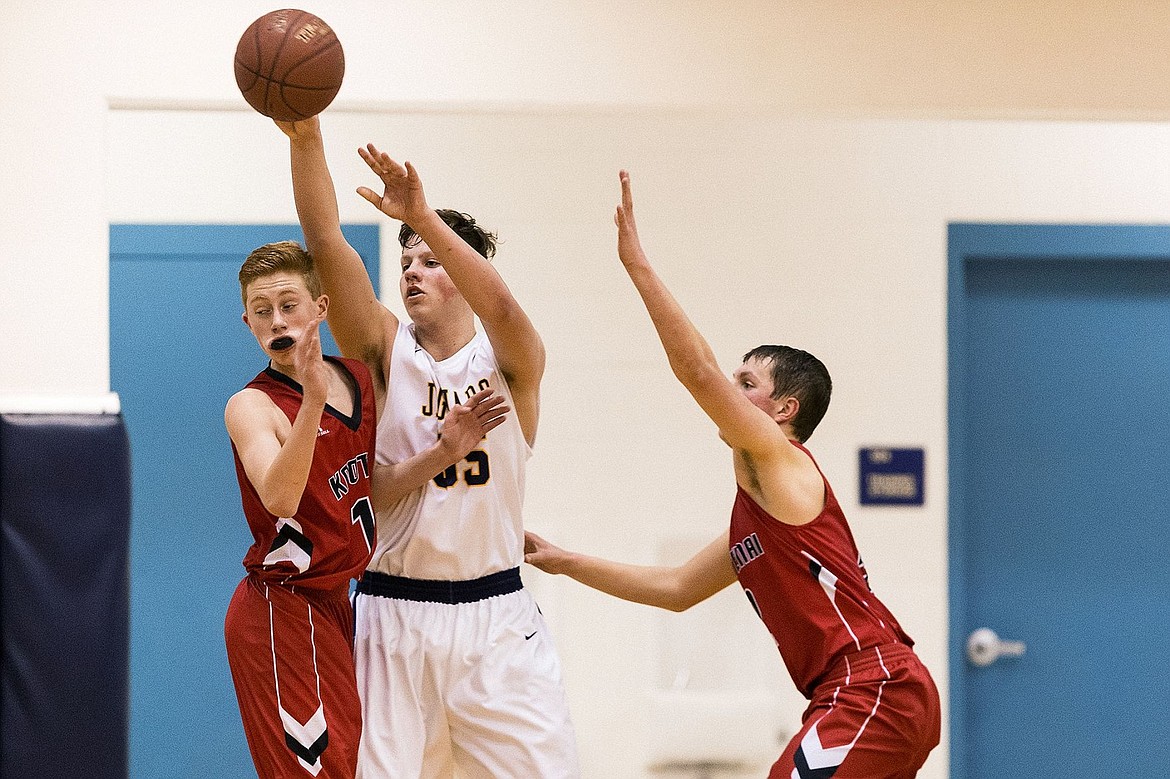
x: 435, y: 591
x: 311, y: 753
x: 803, y: 770
x: 352, y: 422
x: 290, y: 535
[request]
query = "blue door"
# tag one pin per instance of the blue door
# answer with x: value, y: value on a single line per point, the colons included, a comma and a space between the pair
x: 1060, y: 500
x: 178, y: 350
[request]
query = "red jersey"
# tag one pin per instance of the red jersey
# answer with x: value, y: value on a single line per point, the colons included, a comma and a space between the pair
x: 329, y: 540
x: 809, y: 586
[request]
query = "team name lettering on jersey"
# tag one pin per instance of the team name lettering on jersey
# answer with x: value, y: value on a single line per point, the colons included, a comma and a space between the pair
x: 349, y: 475
x: 743, y: 552
x: 440, y: 400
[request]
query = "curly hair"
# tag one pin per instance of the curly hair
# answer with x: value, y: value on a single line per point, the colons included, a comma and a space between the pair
x: 464, y: 226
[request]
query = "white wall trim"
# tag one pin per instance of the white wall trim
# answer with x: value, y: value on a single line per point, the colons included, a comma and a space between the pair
x: 102, y: 403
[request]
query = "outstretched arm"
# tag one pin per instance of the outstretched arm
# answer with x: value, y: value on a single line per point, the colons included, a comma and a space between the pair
x: 779, y: 476
x: 463, y: 430
x: 517, y: 345
x: 362, y: 326
x: 675, y: 588
x: 741, y: 424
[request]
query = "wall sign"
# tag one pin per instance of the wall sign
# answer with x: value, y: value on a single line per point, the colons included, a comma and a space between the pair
x: 891, y: 477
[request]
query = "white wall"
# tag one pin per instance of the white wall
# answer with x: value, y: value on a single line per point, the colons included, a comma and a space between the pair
x: 827, y: 233
x: 63, y: 64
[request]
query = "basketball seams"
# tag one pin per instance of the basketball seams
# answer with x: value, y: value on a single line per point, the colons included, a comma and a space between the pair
x: 275, y: 59
x: 284, y: 42
x: 289, y: 71
x: 244, y: 64
x: 284, y: 85
x: 259, y: 52
x: 284, y: 74
x: 313, y: 54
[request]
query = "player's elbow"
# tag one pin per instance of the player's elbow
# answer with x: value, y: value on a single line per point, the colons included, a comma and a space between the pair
x: 679, y: 604
x: 281, y: 505
x: 693, y: 583
x: 677, y: 596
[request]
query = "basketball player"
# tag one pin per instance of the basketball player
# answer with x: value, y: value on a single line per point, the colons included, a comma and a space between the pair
x: 454, y: 661
x: 874, y: 710
x: 303, y: 437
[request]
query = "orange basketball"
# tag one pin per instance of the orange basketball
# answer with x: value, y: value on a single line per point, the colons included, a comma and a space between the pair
x: 289, y: 65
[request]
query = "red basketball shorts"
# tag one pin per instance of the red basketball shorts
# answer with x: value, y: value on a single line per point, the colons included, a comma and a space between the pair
x: 291, y: 656
x: 876, y: 717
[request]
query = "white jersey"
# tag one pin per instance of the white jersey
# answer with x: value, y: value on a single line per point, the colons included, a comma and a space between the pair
x: 466, y: 522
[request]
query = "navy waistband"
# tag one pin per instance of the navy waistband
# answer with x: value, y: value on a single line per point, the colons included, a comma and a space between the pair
x: 437, y: 591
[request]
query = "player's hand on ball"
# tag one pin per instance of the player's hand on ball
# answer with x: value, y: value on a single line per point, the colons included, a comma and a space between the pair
x: 300, y: 129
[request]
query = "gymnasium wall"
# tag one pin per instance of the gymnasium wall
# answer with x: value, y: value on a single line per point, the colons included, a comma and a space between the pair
x: 794, y: 172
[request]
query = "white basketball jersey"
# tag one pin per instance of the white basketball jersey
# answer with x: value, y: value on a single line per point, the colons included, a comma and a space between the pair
x: 466, y: 522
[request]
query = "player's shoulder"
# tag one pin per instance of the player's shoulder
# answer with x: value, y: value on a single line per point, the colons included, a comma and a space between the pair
x: 249, y: 399
x: 798, y: 462
x: 249, y: 409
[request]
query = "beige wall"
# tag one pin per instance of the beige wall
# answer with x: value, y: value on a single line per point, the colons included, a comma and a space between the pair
x: 63, y: 64
x: 795, y: 169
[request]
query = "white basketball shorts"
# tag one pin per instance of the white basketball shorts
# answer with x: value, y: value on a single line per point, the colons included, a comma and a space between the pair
x: 452, y: 676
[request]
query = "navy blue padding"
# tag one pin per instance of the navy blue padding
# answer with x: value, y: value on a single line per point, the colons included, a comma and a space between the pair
x: 65, y: 515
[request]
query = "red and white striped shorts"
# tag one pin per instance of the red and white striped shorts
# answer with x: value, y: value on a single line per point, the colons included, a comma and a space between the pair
x: 875, y: 716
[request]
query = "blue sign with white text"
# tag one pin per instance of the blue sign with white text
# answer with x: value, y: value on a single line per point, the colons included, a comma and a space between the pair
x: 891, y: 477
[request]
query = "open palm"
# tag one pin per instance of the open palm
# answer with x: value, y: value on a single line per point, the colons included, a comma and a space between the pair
x: 402, y: 197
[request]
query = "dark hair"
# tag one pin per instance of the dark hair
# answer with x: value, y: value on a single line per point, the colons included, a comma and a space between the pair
x: 464, y: 226
x: 798, y: 374
x: 279, y: 257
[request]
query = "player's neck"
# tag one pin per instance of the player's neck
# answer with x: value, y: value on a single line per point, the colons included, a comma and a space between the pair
x: 443, y: 339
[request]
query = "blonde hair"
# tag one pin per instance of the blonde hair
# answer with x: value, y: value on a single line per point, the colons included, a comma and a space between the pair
x: 279, y: 257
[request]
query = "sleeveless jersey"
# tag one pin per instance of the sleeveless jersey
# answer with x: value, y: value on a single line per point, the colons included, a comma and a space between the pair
x: 328, y: 540
x: 466, y: 522
x: 809, y: 586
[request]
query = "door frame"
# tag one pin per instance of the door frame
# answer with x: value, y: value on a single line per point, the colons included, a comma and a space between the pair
x: 969, y: 242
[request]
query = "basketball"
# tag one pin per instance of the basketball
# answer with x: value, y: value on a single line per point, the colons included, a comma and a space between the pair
x: 289, y: 65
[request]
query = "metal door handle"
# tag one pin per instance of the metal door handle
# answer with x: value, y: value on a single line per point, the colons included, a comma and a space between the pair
x: 984, y: 647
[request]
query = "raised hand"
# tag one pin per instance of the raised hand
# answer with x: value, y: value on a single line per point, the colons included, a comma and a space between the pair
x: 629, y: 245
x: 295, y: 130
x: 402, y: 197
x: 467, y: 423
x: 310, y: 367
